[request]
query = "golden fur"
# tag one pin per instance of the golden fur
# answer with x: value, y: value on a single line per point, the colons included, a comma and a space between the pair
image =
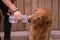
x: 40, y: 24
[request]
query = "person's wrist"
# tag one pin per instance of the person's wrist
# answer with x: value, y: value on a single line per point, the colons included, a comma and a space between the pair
x: 15, y: 10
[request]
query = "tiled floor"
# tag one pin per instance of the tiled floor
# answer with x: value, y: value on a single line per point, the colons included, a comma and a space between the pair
x: 24, y: 35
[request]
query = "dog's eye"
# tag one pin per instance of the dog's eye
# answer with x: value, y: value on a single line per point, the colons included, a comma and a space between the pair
x: 39, y: 18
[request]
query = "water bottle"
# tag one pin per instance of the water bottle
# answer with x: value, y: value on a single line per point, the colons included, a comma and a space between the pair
x: 12, y: 19
x: 24, y: 19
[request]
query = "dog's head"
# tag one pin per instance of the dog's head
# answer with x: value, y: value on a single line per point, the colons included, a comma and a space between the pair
x: 41, y: 17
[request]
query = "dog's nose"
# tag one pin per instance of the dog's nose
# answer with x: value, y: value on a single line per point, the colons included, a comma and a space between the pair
x: 38, y: 18
x: 29, y: 20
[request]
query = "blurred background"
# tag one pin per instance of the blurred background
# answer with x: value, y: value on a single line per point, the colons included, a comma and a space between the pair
x: 27, y: 7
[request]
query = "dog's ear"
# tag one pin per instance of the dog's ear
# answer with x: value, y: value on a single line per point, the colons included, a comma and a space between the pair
x: 44, y: 21
x: 48, y: 22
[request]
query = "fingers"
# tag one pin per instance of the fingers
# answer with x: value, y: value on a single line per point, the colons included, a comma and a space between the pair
x: 17, y: 15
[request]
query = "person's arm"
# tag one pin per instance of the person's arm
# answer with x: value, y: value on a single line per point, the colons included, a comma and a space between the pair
x: 17, y: 13
x: 9, y: 4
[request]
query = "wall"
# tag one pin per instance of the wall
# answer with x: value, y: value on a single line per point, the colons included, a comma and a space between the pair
x: 28, y: 6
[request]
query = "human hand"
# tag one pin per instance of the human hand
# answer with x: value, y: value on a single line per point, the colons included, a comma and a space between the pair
x: 17, y: 15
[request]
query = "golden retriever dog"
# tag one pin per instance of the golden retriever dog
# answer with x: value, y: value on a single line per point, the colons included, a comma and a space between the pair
x: 40, y: 22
